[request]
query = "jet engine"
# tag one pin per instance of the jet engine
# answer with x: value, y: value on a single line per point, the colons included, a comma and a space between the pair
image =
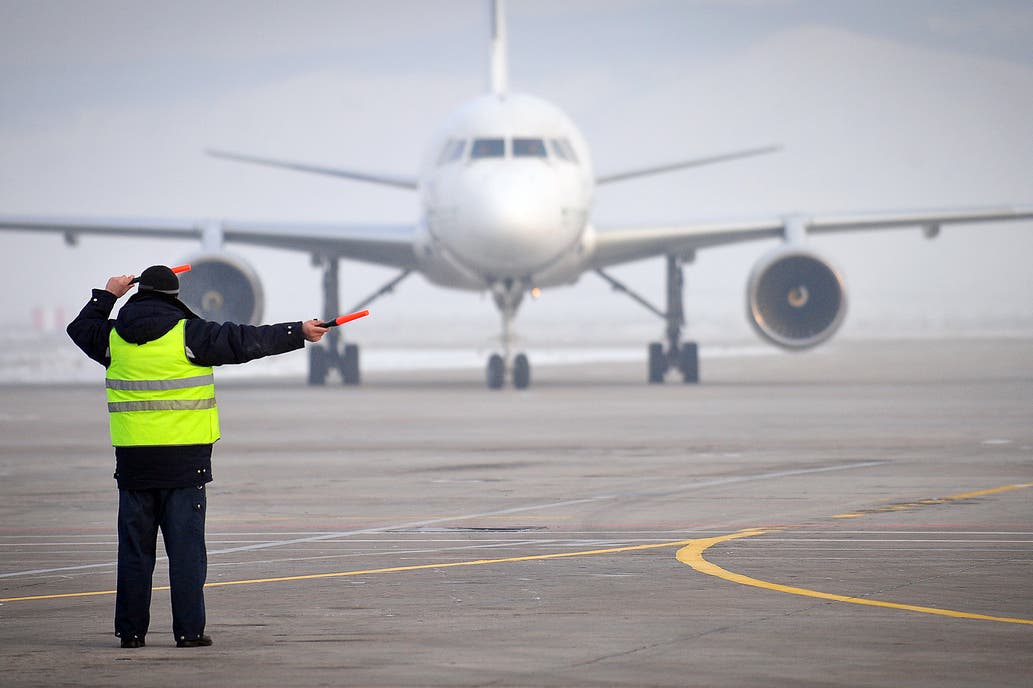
x: 222, y: 288
x: 794, y: 298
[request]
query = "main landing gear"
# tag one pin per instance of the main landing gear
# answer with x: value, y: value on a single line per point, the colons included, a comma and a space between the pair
x: 508, y: 294
x: 323, y: 359
x: 333, y: 353
x: 678, y: 355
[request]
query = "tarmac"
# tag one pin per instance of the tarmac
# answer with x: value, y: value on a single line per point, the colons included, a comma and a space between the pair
x: 861, y: 515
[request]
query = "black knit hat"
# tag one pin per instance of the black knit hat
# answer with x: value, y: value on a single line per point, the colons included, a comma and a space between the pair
x: 161, y: 279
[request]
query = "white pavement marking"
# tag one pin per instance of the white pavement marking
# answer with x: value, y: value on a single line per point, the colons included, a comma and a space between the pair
x: 697, y: 485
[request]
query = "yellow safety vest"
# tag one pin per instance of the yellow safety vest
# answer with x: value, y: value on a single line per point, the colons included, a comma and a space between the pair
x: 156, y: 396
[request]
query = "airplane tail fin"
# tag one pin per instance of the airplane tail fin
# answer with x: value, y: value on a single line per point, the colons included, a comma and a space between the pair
x: 499, y: 76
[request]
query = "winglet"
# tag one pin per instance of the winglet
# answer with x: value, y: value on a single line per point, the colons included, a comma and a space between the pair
x: 499, y: 75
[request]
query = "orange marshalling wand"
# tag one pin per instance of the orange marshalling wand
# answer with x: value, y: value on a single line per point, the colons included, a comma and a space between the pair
x: 176, y: 270
x: 345, y: 319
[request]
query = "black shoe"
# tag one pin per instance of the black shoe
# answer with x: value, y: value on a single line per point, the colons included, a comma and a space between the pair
x: 203, y: 641
x: 133, y: 642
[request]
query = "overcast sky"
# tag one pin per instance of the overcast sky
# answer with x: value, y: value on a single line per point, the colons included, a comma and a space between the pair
x: 106, y: 108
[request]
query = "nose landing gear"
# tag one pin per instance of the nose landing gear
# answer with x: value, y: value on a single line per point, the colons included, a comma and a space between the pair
x: 519, y: 370
x: 508, y: 294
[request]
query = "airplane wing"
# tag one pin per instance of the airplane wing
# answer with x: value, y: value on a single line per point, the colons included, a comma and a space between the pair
x: 397, y: 181
x: 383, y: 244
x: 626, y: 244
x: 609, y: 178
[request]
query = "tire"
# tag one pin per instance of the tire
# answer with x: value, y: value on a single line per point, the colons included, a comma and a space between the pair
x: 496, y: 372
x: 688, y: 362
x: 521, y: 372
x: 317, y: 365
x: 657, y: 363
x: 350, y: 364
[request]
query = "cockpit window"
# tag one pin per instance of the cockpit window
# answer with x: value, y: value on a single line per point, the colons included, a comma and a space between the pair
x: 529, y: 148
x: 563, y: 150
x: 488, y: 148
x: 452, y: 151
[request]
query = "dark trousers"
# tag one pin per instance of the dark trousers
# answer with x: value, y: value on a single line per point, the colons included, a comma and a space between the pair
x: 179, y: 512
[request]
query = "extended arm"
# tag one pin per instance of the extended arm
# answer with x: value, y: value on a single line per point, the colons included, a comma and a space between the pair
x: 209, y: 343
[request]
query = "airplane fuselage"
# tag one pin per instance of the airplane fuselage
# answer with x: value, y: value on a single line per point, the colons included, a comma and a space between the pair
x: 506, y: 188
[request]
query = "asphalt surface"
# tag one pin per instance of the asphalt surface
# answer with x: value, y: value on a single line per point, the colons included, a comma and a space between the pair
x: 858, y: 516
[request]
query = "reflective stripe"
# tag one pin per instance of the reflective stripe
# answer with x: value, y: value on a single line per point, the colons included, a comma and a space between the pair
x: 161, y: 405
x: 181, y: 383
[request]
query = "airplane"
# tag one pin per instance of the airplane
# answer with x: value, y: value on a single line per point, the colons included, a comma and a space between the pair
x: 506, y: 190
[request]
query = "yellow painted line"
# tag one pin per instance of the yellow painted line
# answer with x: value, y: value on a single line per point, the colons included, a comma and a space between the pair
x: 928, y: 502
x: 692, y: 555
x: 67, y: 594
x: 368, y: 572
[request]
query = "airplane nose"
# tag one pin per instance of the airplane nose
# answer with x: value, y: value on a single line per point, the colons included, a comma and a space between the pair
x: 513, y: 223
x: 516, y: 209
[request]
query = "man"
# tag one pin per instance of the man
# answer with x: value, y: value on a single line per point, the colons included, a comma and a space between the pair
x: 164, y: 421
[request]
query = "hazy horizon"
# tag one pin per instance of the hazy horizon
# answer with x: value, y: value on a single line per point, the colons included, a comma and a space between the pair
x: 107, y: 108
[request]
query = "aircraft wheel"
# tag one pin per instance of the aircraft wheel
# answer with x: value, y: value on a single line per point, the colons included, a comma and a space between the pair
x: 688, y: 362
x: 496, y: 372
x: 657, y: 363
x: 350, y: 364
x: 521, y: 372
x: 317, y: 365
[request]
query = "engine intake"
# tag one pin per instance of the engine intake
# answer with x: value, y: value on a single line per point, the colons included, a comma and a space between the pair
x: 795, y: 299
x: 222, y: 288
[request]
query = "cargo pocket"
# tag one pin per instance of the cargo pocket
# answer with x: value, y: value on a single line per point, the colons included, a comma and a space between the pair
x: 200, y: 505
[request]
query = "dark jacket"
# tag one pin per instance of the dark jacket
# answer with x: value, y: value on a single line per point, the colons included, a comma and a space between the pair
x: 146, y: 317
